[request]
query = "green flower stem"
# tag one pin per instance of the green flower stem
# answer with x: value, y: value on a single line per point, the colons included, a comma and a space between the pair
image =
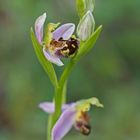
x: 50, y: 119
x: 60, y: 93
x: 62, y: 82
x: 64, y: 98
x: 49, y: 127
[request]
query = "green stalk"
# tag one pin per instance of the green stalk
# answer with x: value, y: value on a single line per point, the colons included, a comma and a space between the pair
x: 60, y: 95
x: 49, y: 127
x: 64, y: 98
x: 50, y: 122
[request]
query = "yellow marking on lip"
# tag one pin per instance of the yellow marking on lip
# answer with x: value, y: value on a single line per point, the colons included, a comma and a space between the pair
x: 73, y: 46
x: 66, y: 51
x: 66, y: 45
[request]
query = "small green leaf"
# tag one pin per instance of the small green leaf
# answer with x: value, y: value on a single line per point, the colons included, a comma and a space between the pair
x: 48, y: 67
x: 85, y: 47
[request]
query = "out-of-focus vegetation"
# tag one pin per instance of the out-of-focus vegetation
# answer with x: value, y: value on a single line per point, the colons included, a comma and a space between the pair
x: 110, y: 72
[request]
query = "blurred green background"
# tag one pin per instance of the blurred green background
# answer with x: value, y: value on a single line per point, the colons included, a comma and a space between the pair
x: 111, y: 71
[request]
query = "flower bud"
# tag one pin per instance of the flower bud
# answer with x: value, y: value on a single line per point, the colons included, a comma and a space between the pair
x: 89, y: 5
x: 86, y: 26
x: 83, y: 6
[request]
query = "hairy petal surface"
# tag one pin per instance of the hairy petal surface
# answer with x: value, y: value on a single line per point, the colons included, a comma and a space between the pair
x: 65, y: 31
x: 39, y: 23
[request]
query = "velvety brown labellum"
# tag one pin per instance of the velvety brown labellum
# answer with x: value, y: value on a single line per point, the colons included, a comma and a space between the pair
x: 69, y: 47
x: 82, y: 124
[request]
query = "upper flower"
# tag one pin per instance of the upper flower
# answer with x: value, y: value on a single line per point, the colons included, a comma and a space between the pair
x: 73, y: 114
x: 57, y: 43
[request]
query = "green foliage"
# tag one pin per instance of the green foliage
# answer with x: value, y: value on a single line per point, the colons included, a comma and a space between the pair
x: 48, y: 67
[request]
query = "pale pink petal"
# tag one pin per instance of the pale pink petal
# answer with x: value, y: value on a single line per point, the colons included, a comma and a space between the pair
x: 65, y: 31
x: 54, y: 59
x: 47, y: 107
x: 39, y: 23
x: 64, y: 124
x: 50, y: 108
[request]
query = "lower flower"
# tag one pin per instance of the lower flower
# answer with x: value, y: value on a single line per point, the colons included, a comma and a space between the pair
x: 73, y: 114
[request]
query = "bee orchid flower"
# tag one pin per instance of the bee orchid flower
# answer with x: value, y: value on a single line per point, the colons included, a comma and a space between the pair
x: 73, y: 114
x: 57, y: 42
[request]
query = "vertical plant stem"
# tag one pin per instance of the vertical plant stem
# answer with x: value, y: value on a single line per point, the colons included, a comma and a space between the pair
x: 49, y: 127
x: 50, y: 122
x: 60, y: 95
x: 64, y: 98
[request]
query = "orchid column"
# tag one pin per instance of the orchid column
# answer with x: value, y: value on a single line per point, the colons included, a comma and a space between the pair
x: 53, y: 43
